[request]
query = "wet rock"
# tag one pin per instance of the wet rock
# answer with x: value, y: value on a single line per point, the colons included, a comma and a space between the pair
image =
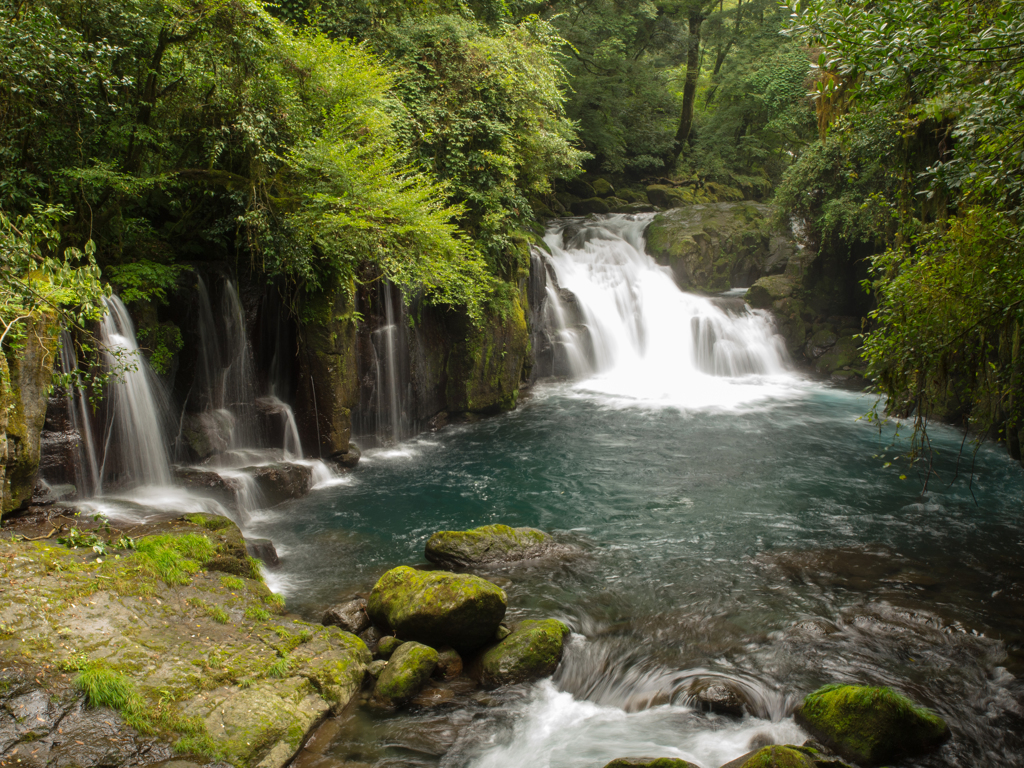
x: 281, y: 482
x: 603, y: 188
x: 208, y: 433
x: 870, y: 726
x: 590, y: 205
x: 487, y: 544
x: 649, y: 762
x: 712, y: 247
x: 437, y: 608
x: 371, y: 636
x: 350, y: 616
x: 775, y: 757
x: 501, y: 633
x: 376, y: 667
x: 449, y: 664
x: 718, y: 696
x: 580, y: 188
x: 532, y: 651
x: 408, y: 669
x: 265, y: 551
x: 820, y: 343
x: 204, y: 482
x: 387, y: 646
x: 845, y: 353
x: 767, y: 290
x: 347, y: 460
x: 432, y: 697
x: 759, y: 740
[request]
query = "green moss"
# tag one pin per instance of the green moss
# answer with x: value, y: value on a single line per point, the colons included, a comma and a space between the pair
x: 232, y: 582
x: 870, y: 725
x: 214, y: 612
x: 531, y: 652
x: 209, y: 522
x: 649, y: 762
x: 255, y: 613
x: 485, y: 544
x: 409, y: 668
x: 106, y: 687
x: 274, y: 602
x: 779, y: 757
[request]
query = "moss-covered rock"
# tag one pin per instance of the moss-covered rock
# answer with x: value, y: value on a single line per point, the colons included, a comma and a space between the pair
x: 579, y: 188
x: 387, y: 646
x: 532, y: 651
x: 25, y: 378
x: 649, y: 762
x: 437, y: 608
x: 486, y: 544
x: 485, y: 369
x: 449, y: 664
x: 870, y: 726
x: 844, y: 353
x: 328, y: 381
x: 767, y: 290
x: 712, y: 247
x: 779, y: 757
x: 603, y: 188
x: 590, y: 205
x: 408, y: 669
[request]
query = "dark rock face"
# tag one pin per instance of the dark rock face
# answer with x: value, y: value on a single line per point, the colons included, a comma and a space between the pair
x: 437, y: 608
x: 350, y: 616
x: 23, y: 411
x: 281, y: 482
x: 487, y: 544
x: 449, y: 664
x: 870, y: 726
x: 347, y: 460
x: 204, y: 482
x: 590, y: 205
x: 265, y: 551
x: 48, y: 729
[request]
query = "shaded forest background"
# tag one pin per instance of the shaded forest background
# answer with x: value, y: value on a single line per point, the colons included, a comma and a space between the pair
x: 310, y: 144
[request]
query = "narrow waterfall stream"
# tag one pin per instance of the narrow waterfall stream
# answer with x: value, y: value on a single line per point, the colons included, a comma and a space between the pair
x: 737, y: 521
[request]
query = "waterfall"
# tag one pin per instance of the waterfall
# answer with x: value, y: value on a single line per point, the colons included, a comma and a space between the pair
x: 390, y: 351
x: 87, y: 470
x: 613, y: 316
x: 134, y: 445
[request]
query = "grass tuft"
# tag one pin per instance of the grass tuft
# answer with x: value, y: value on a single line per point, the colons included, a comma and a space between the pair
x: 106, y: 687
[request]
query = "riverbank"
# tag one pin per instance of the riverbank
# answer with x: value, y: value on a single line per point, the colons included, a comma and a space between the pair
x: 177, y: 640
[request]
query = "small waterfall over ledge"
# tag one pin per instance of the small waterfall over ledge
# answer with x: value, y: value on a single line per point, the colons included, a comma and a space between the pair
x: 610, y: 315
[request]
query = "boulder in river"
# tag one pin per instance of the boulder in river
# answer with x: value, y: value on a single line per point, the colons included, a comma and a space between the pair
x: 486, y: 544
x: 718, y: 696
x: 532, y: 651
x: 281, y: 482
x: 264, y: 551
x: 387, y: 646
x: 437, y: 608
x: 449, y: 664
x: 778, y: 757
x: 870, y: 726
x: 408, y: 669
x: 649, y: 762
x: 350, y: 616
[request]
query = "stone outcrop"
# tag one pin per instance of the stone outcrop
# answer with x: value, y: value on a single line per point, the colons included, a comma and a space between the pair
x: 25, y: 378
x: 649, y: 762
x: 870, y: 726
x: 487, y: 544
x: 349, y: 616
x: 785, y: 756
x: 717, y: 246
x: 247, y: 687
x: 719, y: 696
x: 437, y: 608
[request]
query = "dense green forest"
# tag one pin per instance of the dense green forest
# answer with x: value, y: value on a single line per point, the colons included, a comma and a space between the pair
x: 311, y: 143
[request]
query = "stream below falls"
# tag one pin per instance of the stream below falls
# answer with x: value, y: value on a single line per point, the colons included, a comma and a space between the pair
x: 736, y: 520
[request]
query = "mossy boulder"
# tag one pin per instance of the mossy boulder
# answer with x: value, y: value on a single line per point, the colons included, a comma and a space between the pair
x: 449, y: 664
x: 579, y: 188
x: 407, y: 670
x: 712, y: 247
x: 786, y: 756
x: 486, y: 544
x: 603, y: 188
x: 767, y: 290
x: 844, y: 353
x: 870, y: 726
x: 532, y: 651
x: 437, y: 608
x: 590, y: 205
x: 387, y: 646
x: 649, y: 762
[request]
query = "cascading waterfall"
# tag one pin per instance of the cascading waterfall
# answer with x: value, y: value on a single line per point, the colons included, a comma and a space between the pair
x: 87, y: 469
x: 618, y: 317
x: 390, y: 350
x: 134, y: 444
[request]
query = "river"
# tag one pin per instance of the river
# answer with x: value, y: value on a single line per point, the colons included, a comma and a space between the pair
x: 733, y: 519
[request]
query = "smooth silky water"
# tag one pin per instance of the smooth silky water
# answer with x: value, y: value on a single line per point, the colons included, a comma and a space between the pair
x: 749, y: 525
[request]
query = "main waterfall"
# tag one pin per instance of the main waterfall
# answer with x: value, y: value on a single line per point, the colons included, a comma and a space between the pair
x: 616, y: 318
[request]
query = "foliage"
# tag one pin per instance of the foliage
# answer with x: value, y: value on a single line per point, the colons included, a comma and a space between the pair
x: 143, y: 280
x: 928, y: 98
x: 106, y: 687
x: 173, y: 558
x: 485, y: 115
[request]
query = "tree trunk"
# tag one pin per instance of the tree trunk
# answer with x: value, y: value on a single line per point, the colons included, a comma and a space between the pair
x: 695, y: 21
